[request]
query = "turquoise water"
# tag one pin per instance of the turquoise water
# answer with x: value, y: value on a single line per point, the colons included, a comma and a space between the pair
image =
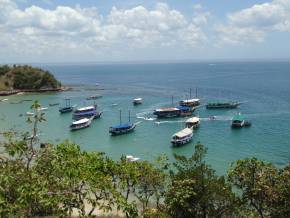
x: 264, y: 87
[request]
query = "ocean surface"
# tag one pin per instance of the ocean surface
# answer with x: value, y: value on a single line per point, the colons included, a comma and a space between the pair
x: 263, y: 87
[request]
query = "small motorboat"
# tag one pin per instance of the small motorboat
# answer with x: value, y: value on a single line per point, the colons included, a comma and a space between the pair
x: 193, y: 122
x: 53, y: 104
x: 131, y: 158
x: 137, y: 101
x: 93, y: 97
x: 5, y: 99
x: 81, y: 124
x: 29, y: 113
x: 43, y: 109
x: 182, y: 137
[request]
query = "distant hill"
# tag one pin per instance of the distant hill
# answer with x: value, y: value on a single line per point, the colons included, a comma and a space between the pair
x: 24, y: 77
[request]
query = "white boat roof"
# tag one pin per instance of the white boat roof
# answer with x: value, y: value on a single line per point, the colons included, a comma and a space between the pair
x: 84, y: 120
x: 137, y: 99
x: 192, y: 120
x: 86, y: 108
x: 191, y: 100
x: 168, y: 109
x: 183, y: 133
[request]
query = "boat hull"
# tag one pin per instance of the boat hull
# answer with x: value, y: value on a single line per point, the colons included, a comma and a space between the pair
x: 228, y: 106
x: 115, y: 132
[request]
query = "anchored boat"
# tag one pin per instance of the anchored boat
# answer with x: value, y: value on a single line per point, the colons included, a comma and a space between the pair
x: 122, y: 128
x: 131, y: 158
x: 137, y: 101
x: 222, y: 105
x: 185, y: 110
x: 68, y: 108
x: 192, y: 122
x: 167, y: 112
x: 182, y: 137
x: 190, y: 102
x: 86, y: 112
x: 81, y: 124
x: 93, y: 97
x: 239, y: 121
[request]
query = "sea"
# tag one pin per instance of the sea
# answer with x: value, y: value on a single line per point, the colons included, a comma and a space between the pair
x: 263, y: 87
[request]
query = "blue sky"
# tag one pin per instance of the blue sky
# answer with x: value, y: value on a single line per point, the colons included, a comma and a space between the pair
x: 136, y: 30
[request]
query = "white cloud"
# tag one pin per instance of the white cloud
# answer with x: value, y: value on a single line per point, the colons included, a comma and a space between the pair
x: 65, y: 29
x: 252, y: 24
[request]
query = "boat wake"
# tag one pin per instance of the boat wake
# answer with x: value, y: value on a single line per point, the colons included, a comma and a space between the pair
x: 170, y: 122
x: 216, y: 118
x: 145, y: 116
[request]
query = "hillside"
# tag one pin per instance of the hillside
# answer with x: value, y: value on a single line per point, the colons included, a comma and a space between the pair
x: 24, y: 77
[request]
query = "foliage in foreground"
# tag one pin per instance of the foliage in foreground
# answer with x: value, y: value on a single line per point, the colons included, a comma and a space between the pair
x: 39, y: 179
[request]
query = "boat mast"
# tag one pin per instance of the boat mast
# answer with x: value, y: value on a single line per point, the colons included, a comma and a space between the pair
x: 129, y: 115
x: 172, y: 100
x: 120, y: 117
x: 189, y: 93
x: 196, y: 92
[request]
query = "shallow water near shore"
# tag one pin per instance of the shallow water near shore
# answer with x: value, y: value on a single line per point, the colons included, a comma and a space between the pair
x: 264, y: 87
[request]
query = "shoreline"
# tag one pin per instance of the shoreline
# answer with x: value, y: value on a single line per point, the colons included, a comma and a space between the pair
x: 21, y: 91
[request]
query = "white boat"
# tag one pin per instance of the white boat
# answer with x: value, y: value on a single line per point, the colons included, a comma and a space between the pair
x: 131, y: 158
x: 43, y: 109
x: 182, y: 137
x: 5, y: 99
x: 80, y: 124
x: 192, y: 122
x: 137, y: 101
x: 29, y: 113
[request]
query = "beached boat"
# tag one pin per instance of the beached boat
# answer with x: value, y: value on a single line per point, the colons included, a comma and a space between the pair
x: 190, y: 102
x: 122, y: 128
x: 239, y: 121
x: 192, y: 122
x: 167, y: 112
x: 182, y: 137
x: 81, y: 124
x: 131, y: 158
x: 222, y: 105
x: 93, y: 97
x: 86, y: 112
x: 137, y: 101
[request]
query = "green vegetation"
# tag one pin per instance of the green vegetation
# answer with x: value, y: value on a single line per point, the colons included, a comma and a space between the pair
x: 26, y: 77
x: 40, y: 179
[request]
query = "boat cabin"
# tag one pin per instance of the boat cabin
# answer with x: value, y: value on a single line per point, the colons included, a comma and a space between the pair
x: 193, y: 122
x: 182, y: 137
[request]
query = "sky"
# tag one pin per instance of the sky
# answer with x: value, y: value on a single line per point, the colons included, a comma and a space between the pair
x: 69, y: 31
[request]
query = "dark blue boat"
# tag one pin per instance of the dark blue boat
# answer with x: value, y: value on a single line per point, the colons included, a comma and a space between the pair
x: 68, y: 108
x: 86, y: 112
x: 122, y: 128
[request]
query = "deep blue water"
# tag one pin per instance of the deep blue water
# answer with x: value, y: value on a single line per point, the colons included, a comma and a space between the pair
x: 264, y: 87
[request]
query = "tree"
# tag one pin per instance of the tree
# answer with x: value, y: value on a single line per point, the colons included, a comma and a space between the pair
x: 196, y: 191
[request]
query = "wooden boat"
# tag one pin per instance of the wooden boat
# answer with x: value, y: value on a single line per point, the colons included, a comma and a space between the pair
x: 167, y: 112
x: 137, y: 101
x: 185, y: 110
x: 81, y: 124
x: 122, y: 128
x: 192, y: 122
x: 182, y: 137
x: 190, y: 102
x: 222, y: 105
x: 86, y: 112
x: 93, y: 97
x: 239, y: 121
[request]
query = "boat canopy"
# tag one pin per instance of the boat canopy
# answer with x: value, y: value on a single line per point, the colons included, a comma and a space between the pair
x: 86, y: 108
x: 167, y: 109
x: 184, y: 108
x: 238, y: 117
x: 82, y: 121
x: 84, y: 113
x: 122, y: 126
x: 193, y: 100
x: 183, y: 133
x: 193, y: 120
